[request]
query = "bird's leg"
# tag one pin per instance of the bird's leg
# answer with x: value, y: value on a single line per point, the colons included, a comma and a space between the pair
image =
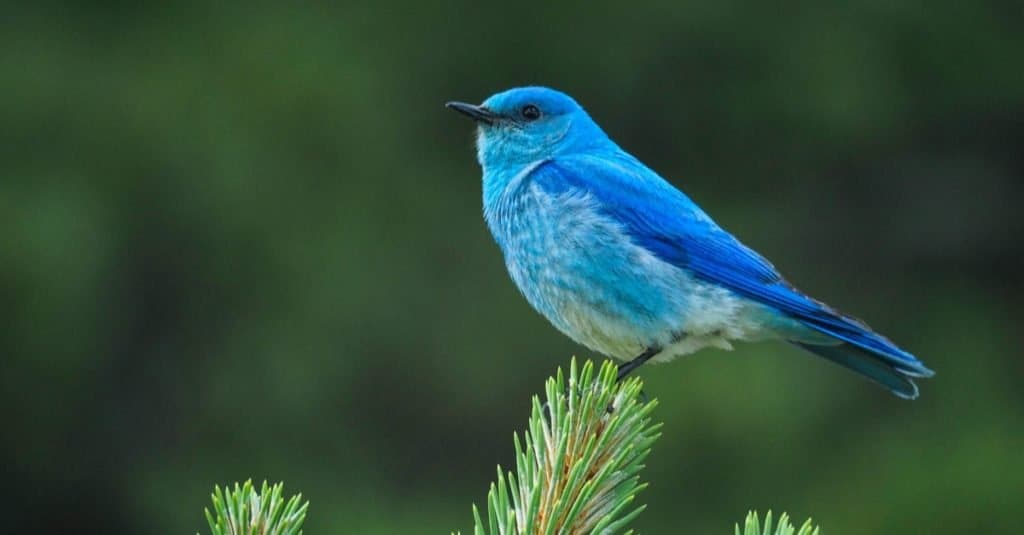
x: 626, y: 367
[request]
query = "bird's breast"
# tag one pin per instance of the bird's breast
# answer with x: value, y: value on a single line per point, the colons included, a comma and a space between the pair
x: 581, y: 270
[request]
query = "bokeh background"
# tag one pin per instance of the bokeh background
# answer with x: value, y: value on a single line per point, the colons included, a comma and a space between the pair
x: 246, y: 241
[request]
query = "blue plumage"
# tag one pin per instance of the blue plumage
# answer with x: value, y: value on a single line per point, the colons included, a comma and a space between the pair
x: 626, y: 264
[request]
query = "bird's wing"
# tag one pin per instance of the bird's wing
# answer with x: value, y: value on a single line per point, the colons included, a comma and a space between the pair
x: 666, y: 222
x: 659, y: 218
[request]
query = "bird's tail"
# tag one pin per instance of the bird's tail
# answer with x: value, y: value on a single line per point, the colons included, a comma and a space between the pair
x: 853, y: 345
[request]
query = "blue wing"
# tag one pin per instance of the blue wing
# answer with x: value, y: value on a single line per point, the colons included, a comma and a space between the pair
x: 666, y: 222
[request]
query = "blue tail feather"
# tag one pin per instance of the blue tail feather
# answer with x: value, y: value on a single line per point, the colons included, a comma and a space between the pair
x: 867, y: 364
x: 866, y: 352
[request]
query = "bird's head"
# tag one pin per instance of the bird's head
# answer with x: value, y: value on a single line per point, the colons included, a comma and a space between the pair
x: 527, y: 124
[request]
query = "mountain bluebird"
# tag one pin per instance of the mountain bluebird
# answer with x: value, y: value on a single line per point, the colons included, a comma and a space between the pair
x: 627, y: 265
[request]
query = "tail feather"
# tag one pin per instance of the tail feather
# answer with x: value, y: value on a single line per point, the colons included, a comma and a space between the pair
x: 867, y: 364
x: 870, y: 354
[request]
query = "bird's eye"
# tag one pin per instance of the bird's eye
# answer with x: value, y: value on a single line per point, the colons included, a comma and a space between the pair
x: 530, y: 112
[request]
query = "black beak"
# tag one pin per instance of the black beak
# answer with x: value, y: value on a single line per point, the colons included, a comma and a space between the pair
x: 479, y: 114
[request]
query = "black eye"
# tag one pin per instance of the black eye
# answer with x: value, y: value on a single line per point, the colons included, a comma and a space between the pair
x: 530, y: 112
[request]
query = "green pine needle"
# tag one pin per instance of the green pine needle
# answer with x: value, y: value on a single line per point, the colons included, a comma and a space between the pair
x: 578, y: 463
x: 752, y: 526
x: 243, y: 511
x: 577, y: 471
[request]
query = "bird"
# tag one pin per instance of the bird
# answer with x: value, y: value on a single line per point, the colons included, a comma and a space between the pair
x: 624, y: 263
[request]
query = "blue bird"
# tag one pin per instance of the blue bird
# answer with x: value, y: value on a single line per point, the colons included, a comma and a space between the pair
x: 626, y: 264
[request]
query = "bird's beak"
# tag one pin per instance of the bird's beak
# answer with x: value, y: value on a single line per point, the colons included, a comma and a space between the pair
x: 479, y: 114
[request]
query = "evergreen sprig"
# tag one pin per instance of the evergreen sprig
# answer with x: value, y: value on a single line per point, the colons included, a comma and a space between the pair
x: 578, y: 464
x: 752, y: 526
x: 577, y: 470
x: 244, y: 511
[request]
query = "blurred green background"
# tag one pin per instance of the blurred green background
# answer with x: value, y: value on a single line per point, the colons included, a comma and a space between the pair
x: 247, y: 242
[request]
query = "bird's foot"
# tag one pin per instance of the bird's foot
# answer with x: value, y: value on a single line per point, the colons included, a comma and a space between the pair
x: 626, y: 367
